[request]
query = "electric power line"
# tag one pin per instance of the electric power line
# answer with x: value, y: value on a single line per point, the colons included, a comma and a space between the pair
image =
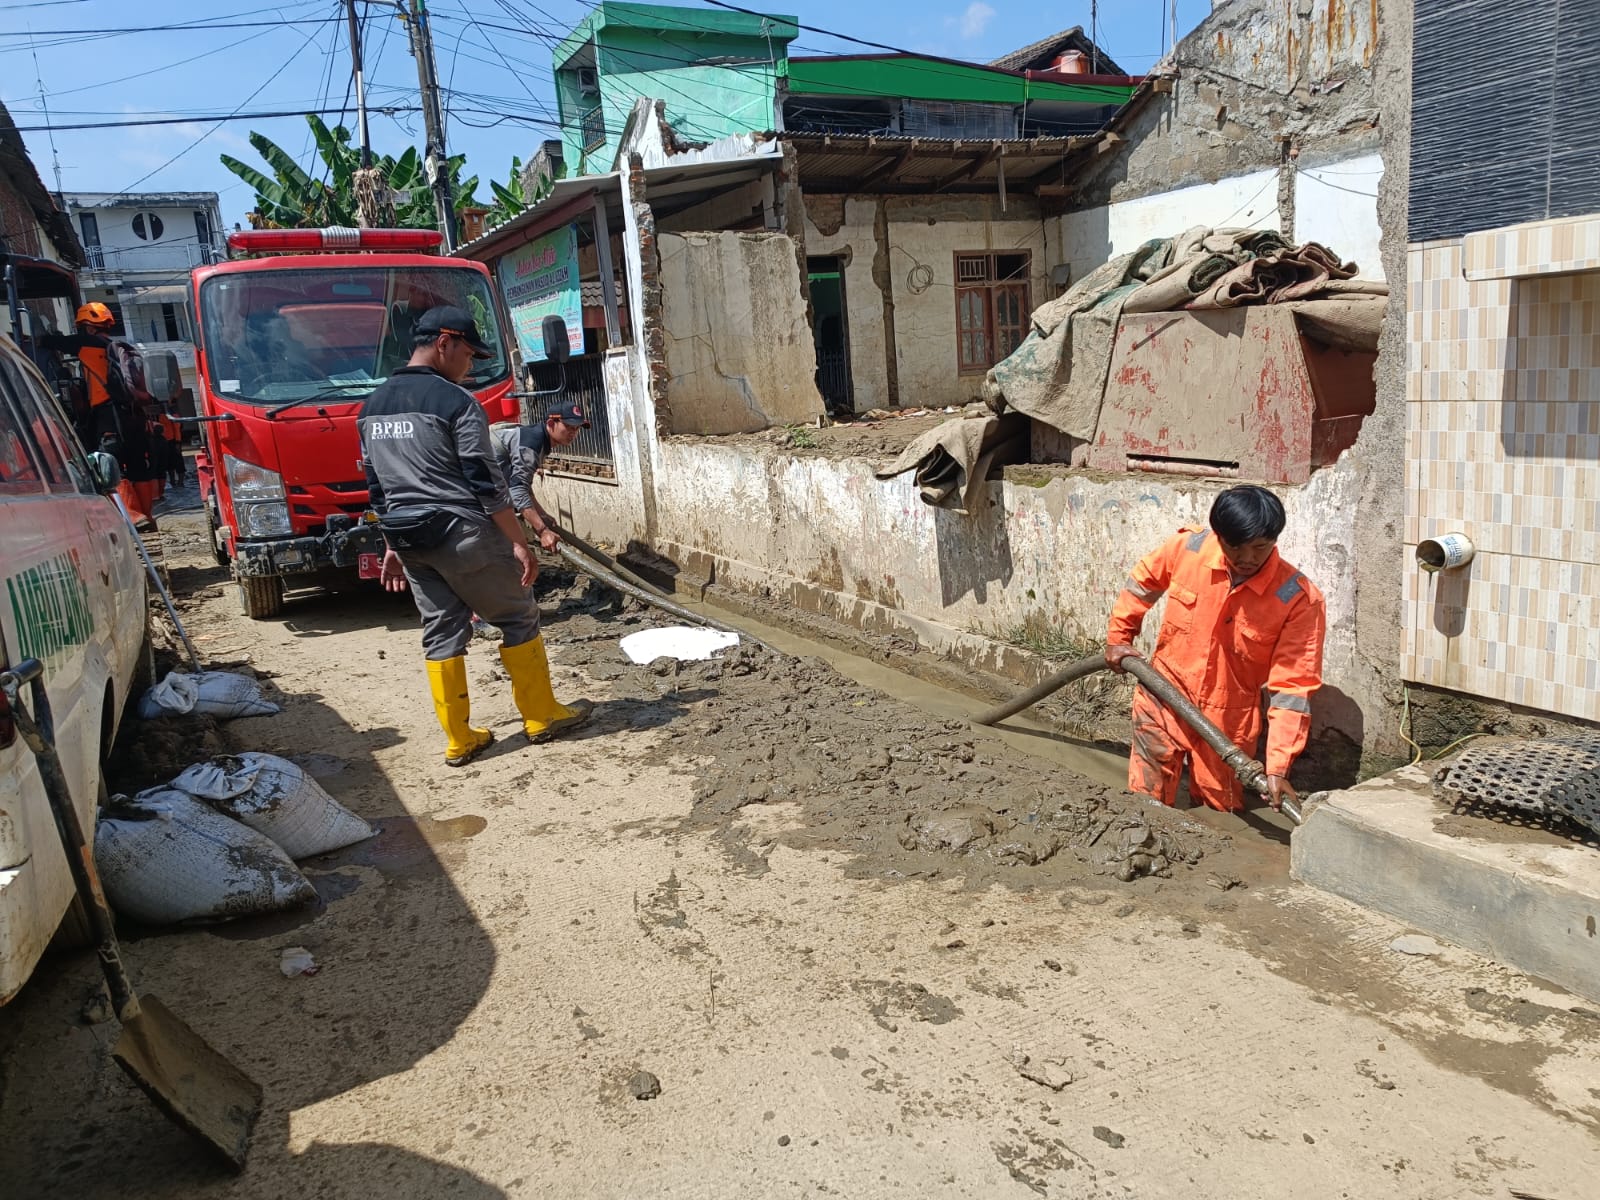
x: 185, y: 27
x: 284, y: 66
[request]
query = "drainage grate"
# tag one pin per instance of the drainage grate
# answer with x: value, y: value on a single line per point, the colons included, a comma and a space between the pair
x: 1555, y: 774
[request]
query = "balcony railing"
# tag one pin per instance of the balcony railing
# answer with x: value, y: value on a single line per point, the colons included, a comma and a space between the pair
x: 174, y: 256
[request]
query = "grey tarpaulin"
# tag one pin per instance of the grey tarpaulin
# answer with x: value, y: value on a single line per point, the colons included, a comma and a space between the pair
x: 1058, y: 374
x: 953, y: 458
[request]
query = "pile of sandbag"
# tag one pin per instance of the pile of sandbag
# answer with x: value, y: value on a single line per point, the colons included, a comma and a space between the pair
x: 219, y: 694
x: 219, y: 841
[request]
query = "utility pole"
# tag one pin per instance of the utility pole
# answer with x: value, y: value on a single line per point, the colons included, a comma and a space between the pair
x: 436, y: 158
x: 367, y: 187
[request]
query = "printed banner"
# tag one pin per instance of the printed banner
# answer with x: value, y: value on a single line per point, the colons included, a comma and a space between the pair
x: 540, y: 280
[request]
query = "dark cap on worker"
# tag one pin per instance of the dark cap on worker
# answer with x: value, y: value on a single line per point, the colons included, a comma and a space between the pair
x: 571, y: 414
x: 447, y: 318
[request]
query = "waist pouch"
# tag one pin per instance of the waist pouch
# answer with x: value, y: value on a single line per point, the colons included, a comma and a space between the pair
x: 415, y: 528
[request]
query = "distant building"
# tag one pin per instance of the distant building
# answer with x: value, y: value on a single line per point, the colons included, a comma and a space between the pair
x: 139, y: 249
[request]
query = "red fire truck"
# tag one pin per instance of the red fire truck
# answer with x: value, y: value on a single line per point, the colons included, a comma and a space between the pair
x: 290, y: 344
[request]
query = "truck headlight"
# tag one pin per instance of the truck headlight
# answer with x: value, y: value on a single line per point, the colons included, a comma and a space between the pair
x: 258, y: 499
x: 250, y: 482
x: 262, y: 518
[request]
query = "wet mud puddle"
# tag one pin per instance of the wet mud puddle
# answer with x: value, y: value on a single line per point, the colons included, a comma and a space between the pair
x: 847, y: 754
x: 1020, y: 731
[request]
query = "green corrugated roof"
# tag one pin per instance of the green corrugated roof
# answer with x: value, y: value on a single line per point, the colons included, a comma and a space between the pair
x: 669, y: 18
x: 913, y: 78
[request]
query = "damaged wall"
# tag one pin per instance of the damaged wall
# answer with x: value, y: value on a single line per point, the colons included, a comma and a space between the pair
x: 738, y: 347
x: 1271, y: 121
x: 1045, y: 550
x: 900, y: 285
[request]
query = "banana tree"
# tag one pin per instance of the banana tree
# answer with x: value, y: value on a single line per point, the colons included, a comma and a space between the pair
x: 290, y: 198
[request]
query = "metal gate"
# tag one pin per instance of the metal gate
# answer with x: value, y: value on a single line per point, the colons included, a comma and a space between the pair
x: 585, y: 385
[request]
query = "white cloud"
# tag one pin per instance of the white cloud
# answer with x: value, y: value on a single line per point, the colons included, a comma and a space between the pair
x: 975, y: 19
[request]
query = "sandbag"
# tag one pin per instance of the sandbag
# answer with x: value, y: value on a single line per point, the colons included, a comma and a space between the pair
x: 210, y: 693
x: 275, y: 797
x: 165, y: 857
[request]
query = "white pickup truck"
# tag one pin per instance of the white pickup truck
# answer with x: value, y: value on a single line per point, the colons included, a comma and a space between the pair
x: 72, y: 594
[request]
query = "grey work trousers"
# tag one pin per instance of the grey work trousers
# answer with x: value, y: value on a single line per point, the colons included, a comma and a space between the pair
x: 472, y: 571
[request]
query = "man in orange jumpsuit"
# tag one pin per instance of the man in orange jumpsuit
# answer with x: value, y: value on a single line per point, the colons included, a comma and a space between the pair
x: 1238, y: 619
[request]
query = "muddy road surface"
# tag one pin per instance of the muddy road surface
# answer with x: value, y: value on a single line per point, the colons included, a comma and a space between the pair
x: 761, y: 931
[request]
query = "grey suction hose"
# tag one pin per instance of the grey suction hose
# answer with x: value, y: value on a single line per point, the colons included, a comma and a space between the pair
x: 602, y: 558
x: 1027, y: 699
x: 649, y: 596
x: 1251, y: 773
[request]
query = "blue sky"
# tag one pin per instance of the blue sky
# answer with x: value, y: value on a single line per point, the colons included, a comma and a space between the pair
x: 503, y: 77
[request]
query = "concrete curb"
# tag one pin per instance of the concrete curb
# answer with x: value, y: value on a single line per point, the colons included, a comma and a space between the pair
x: 1532, y: 906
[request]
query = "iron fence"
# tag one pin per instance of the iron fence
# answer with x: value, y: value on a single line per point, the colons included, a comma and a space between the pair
x: 833, y: 379
x: 585, y: 385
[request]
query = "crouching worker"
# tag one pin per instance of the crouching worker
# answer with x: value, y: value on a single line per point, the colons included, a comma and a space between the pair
x: 451, y: 533
x: 1238, y: 619
x: 520, y: 451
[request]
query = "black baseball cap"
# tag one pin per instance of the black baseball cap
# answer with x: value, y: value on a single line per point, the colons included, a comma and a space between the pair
x: 570, y: 414
x: 447, y: 318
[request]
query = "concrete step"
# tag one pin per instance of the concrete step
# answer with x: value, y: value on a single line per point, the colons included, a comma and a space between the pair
x: 1520, y: 895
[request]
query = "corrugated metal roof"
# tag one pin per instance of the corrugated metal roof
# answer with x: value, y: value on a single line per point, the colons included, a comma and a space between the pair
x: 664, y: 182
x: 890, y: 163
x: 1038, y: 54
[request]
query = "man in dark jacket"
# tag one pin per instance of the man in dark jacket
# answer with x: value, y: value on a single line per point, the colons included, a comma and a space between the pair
x: 452, y: 534
x: 520, y: 450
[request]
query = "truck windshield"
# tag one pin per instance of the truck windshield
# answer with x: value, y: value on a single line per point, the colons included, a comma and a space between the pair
x: 274, y: 336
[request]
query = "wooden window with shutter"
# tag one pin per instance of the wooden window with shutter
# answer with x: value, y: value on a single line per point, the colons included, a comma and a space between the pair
x: 992, y: 306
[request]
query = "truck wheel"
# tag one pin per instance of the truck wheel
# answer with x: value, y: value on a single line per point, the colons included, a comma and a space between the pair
x: 261, y: 596
x: 213, y: 535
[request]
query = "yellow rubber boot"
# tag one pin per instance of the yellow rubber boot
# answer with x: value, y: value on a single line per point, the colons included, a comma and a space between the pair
x: 542, y: 716
x: 447, y: 678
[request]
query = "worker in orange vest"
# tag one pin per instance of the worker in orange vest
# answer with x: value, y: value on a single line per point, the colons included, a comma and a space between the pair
x: 91, y: 345
x: 116, y: 421
x: 1238, y: 619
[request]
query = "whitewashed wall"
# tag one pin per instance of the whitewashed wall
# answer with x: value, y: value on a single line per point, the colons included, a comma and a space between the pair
x: 1089, y: 238
x: 1337, y: 205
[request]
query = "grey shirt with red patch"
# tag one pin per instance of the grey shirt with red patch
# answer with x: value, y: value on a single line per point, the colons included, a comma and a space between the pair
x: 519, y: 451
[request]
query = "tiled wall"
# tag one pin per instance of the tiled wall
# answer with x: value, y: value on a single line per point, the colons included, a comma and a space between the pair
x: 1539, y: 248
x: 1503, y: 444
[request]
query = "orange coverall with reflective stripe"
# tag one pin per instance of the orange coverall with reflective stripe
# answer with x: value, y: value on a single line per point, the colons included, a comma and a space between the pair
x: 1220, y: 644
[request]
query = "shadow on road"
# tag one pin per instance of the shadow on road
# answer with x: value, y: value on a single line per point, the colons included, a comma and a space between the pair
x: 404, y: 963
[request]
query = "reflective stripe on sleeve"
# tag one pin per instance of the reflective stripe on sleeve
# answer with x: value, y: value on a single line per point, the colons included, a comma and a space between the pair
x: 1291, y: 702
x: 1143, y: 593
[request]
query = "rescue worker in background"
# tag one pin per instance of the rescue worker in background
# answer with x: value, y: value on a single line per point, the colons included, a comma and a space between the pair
x: 520, y: 451
x: 451, y: 532
x: 1238, y: 619
x: 173, y: 465
x: 91, y: 345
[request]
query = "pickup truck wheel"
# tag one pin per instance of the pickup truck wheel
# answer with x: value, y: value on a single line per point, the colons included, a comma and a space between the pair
x: 213, y: 536
x: 261, y: 596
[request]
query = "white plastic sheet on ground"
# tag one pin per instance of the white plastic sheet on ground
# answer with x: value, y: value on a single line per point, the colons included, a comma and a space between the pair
x: 210, y: 693
x: 165, y: 857
x: 276, y: 797
x: 682, y: 642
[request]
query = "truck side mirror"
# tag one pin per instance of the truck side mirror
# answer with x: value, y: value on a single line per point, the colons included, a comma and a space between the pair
x: 556, y: 347
x: 107, y: 474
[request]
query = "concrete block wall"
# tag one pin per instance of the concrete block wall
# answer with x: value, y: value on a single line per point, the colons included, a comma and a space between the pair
x: 826, y: 535
x: 738, y: 345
